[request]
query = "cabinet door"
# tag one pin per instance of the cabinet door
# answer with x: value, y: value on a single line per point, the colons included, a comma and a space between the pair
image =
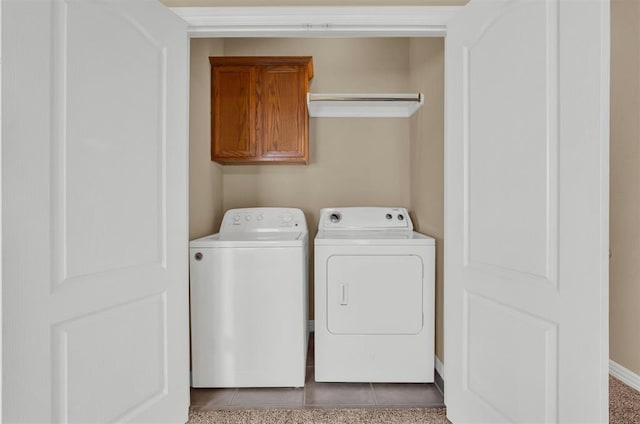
x: 233, y: 113
x: 282, y: 113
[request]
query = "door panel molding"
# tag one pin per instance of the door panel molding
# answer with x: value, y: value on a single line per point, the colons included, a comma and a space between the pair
x: 75, y: 253
x: 522, y: 328
x: 517, y: 233
x: 109, y: 348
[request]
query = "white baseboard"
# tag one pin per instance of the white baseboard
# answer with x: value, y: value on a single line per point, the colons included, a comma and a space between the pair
x: 439, y: 366
x: 628, y: 377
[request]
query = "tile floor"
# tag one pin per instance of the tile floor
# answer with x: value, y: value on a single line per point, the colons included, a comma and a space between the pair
x: 320, y: 395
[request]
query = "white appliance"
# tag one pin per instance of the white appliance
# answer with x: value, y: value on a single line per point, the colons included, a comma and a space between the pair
x: 249, y: 300
x: 374, y: 297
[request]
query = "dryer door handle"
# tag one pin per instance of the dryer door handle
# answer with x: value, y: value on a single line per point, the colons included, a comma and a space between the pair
x: 343, y: 293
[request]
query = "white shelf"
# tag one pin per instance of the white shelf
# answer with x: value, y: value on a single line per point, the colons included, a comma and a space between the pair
x: 363, y: 105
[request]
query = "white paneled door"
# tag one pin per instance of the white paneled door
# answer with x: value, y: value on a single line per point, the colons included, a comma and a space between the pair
x: 526, y: 262
x: 94, y: 181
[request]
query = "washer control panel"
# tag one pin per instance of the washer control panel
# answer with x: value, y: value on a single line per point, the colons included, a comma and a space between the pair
x: 365, y: 218
x: 263, y: 219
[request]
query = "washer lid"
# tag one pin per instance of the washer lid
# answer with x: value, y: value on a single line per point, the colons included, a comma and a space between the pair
x: 373, y: 238
x: 252, y: 239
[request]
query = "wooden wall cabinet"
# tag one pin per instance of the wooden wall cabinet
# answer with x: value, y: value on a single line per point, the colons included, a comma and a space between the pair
x: 259, y: 109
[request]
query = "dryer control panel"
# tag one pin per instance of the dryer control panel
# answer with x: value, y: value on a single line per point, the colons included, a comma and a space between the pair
x: 365, y: 218
x: 263, y: 219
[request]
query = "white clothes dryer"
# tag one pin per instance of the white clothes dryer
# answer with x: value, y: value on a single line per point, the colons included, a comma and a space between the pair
x: 249, y: 300
x: 374, y: 297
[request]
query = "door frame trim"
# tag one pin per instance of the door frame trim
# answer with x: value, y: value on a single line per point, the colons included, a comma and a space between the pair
x: 317, y: 21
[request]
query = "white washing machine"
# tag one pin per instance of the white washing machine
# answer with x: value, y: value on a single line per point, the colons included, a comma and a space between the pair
x: 374, y: 297
x: 249, y: 300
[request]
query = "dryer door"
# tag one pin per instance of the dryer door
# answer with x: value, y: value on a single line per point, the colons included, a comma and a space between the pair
x: 375, y: 294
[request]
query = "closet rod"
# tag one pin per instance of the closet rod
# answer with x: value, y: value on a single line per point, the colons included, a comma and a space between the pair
x: 363, y: 99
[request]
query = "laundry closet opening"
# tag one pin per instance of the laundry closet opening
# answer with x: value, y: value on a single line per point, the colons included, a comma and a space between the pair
x: 352, y: 161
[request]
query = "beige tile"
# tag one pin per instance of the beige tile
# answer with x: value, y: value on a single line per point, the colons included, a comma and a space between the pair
x: 403, y: 394
x: 338, y: 394
x: 202, y: 397
x: 222, y: 397
x: 261, y: 397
